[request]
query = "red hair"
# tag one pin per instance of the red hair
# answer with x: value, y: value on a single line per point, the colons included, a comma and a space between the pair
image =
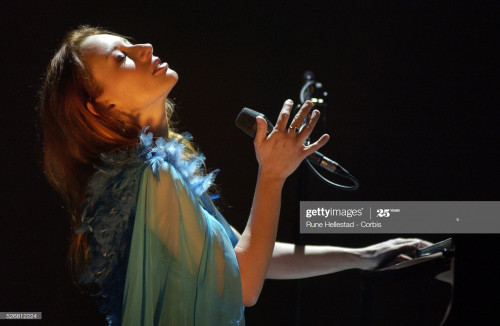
x: 74, y: 137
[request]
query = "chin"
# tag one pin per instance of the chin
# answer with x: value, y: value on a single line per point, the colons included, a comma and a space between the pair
x: 172, y: 74
x: 171, y: 80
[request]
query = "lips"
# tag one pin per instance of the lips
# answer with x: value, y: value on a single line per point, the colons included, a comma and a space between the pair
x: 158, y: 65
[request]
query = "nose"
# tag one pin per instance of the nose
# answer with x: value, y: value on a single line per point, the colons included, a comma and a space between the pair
x: 144, y: 51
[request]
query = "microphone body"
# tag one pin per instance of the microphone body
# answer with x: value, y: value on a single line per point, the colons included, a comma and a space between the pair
x: 246, y: 122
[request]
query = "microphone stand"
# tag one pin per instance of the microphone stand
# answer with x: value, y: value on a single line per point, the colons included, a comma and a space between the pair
x: 310, y: 87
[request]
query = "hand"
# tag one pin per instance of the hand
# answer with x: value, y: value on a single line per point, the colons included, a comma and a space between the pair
x: 280, y: 153
x: 391, y: 250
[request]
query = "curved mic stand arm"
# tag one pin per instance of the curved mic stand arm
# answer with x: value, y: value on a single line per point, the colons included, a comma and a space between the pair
x: 306, y: 93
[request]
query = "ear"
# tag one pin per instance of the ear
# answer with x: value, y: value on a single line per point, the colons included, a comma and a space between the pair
x: 91, y: 108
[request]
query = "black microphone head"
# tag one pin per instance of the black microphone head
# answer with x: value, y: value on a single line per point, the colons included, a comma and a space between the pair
x: 246, y: 121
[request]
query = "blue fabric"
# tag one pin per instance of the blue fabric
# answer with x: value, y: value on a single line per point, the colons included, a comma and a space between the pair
x: 162, y: 254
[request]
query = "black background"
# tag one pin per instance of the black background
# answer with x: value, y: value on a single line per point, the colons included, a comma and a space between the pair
x: 412, y: 114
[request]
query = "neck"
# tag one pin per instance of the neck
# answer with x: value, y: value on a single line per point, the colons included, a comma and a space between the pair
x: 156, y: 119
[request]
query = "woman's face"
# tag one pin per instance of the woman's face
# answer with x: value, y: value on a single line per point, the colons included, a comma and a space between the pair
x: 131, y: 78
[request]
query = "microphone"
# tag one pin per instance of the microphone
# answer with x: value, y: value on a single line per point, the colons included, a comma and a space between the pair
x: 246, y: 122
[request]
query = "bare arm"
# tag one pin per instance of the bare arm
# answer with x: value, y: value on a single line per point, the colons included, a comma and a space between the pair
x: 278, y: 155
x: 290, y: 261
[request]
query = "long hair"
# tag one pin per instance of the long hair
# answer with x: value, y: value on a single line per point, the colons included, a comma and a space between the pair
x: 73, y: 137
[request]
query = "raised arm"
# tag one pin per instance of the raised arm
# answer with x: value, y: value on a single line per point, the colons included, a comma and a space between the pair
x: 278, y: 154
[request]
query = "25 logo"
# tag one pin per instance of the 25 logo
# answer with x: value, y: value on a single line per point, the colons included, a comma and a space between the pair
x: 383, y: 213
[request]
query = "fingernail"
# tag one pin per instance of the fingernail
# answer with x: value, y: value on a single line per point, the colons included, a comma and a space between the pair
x: 289, y: 101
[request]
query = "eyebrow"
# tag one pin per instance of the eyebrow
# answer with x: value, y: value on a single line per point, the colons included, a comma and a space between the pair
x: 124, y: 40
x: 111, y: 51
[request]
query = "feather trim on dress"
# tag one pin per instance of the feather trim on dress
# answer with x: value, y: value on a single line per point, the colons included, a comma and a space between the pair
x: 108, y: 214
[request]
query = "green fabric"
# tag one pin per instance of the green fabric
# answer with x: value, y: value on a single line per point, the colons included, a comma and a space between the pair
x: 182, y: 269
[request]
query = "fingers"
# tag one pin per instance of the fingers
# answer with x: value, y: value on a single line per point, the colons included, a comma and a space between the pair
x: 398, y: 254
x: 317, y: 144
x: 260, y: 135
x: 423, y: 244
x: 403, y: 258
x: 298, y: 137
x: 284, y: 115
x: 405, y: 247
x: 410, y: 246
x: 400, y: 249
x: 301, y: 115
x: 414, y: 242
x: 308, y: 128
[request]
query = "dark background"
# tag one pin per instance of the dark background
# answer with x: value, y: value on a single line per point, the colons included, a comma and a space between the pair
x: 412, y: 114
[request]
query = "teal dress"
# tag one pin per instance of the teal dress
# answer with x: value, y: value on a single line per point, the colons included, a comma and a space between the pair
x: 161, y: 252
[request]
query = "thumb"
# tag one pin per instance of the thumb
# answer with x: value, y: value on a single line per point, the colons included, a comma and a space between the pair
x: 260, y: 135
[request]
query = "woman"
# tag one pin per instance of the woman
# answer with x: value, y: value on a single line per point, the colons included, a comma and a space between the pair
x: 145, y: 231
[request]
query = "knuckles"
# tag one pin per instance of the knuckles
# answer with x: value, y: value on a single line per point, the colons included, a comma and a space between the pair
x: 285, y: 114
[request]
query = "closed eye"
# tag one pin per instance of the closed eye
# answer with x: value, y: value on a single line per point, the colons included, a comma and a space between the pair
x: 121, y: 57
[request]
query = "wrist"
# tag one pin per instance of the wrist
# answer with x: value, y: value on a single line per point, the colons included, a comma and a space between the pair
x: 270, y: 177
x: 365, y: 259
